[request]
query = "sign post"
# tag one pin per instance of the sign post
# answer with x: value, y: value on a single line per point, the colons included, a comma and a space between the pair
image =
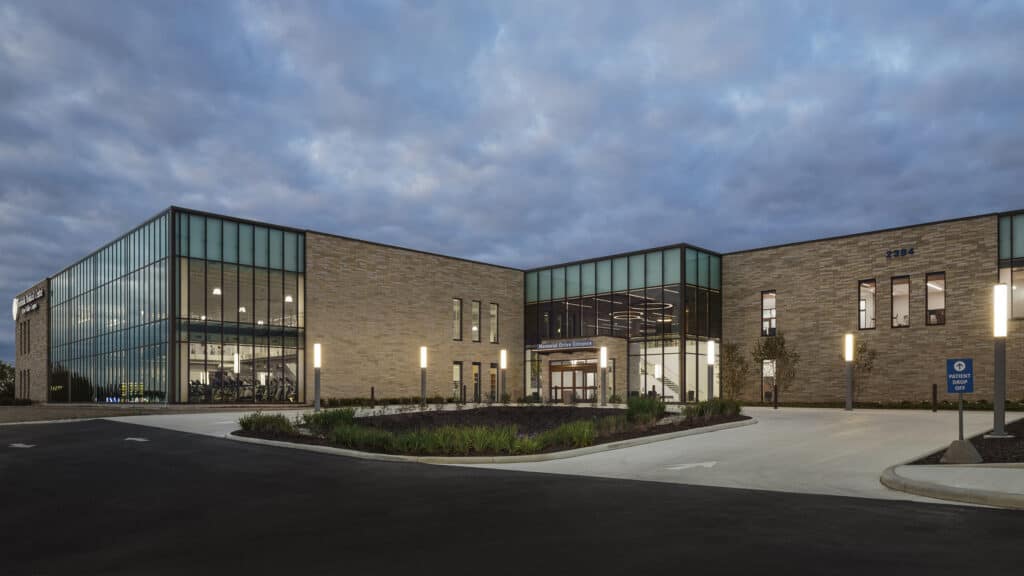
x: 960, y: 379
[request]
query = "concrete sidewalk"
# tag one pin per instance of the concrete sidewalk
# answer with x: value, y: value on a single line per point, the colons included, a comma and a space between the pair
x: 999, y: 485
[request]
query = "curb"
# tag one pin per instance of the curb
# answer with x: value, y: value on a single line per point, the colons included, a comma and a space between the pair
x: 891, y: 479
x: 493, y: 459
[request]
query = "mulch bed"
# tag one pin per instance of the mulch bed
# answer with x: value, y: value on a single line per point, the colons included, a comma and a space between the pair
x: 528, y: 420
x: 992, y: 450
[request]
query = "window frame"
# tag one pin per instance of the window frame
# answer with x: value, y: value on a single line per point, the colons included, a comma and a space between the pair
x: 474, y: 319
x: 456, y: 319
x: 892, y: 300
x: 874, y: 297
x: 774, y: 317
x: 494, y: 323
x: 927, y: 306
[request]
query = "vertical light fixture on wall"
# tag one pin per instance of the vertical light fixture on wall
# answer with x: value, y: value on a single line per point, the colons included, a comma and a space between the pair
x: 316, y: 377
x: 604, y: 373
x: 848, y: 359
x: 503, y: 364
x: 423, y: 375
x: 711, y: 369
x: 1000, y: 312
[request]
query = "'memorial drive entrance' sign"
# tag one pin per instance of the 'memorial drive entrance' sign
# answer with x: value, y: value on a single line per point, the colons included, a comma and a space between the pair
x: 565, y: 344
x: 960, y: 375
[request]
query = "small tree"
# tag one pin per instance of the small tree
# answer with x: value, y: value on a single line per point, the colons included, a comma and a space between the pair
x: 735, y: 370
x: 863, y: 362
x: 786, y: 360
x: 6, y: 380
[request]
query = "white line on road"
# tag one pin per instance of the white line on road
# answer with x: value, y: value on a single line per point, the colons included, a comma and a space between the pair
x: 134, y: 439
x: 20, y: 445
x: 692, y: 465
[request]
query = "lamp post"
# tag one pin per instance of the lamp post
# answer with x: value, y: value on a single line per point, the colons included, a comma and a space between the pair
x: 423, y: 375
x: 1000, y: 297
x: 711, y: 369
x: 503, y: 364
x: 604, y: 373
x: 848, y: 357
x: 316, y: 377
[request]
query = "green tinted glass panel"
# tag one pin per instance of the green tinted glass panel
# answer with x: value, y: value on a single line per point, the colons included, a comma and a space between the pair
x: 181, y: 241
x: 558, y: 283
x: 213, y: 239
x: 654, y: 269
x: 716, y: 273
x: 196, y: 236
x: 231, y: 242
x: 1018, y: 236
x: 1004, y: 237
x: 636, y: 271
x: 291, y: 251
x: 671, y: 266
x: 691, y: 266
x: 302, y: 252
x: 531, y: 286
x: 604, y: 276
x: 260, y: 247
x: 572, y: 281
x: 587, y: 278
x: 702, y: 269
x: 544, y: 281
x: 276, y: 249
x: 620, y: 274
x: 245, y: 253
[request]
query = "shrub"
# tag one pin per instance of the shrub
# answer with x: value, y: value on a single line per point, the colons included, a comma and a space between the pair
x: 533, y: 398
x: 571, y: 434
x: 323, y: 422
x: 615, y: 399
x: 506, y: 398
x: 361, y: 437
x: 274, y: 425
x: 644, y: 409
x: 610, y: 425
x: 712, y: 408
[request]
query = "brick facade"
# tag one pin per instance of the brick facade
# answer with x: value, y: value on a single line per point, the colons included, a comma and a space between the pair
x: 371, y: 307
x: 817, y: 303
x: 31, y: 361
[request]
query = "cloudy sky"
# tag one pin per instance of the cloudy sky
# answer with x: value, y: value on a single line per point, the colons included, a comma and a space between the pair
x: 518, y: 133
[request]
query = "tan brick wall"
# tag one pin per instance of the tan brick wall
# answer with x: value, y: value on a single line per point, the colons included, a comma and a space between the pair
x: 817, y: 291
x: 35, y: 358
x: 371, y: 307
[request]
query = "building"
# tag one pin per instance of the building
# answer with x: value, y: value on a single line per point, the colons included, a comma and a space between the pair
x: 192, y: 307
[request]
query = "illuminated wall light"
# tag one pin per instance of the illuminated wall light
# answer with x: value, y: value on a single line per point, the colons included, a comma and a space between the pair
x: 848, y: 348
x: 316, y: 355
x: 1000, y: 299
x: 504, y: 359
x: 423, y: 356
x: 604, y: 356
x: 657, y: 371
x: 711, y: 352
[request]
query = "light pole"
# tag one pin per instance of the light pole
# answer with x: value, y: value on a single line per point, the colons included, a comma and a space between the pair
x: 711, y: 369
x: 848, y: 357
x: 503, y: 363
x: 316, y: 377
x: 423, y: 375
x: 604, y: 373
x: 1000, y: 296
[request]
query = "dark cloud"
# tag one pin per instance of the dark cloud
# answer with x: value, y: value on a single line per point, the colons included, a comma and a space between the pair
x: 515, y: 132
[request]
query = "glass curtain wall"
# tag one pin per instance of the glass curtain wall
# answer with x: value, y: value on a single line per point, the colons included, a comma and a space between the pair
x: 1011, y: 260
x: 645, y: 298
x: 108, y: 321
x: 241, y: 307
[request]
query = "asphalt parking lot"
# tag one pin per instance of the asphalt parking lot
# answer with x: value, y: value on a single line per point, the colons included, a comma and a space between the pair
x: 115, y: 498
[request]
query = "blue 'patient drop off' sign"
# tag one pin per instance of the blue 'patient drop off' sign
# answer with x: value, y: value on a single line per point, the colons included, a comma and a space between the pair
x: 960, y: 375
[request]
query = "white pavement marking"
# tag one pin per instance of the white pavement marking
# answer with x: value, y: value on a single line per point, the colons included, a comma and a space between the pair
x: 692, y: 465
x: 20, y: 445
x: 136, y: 439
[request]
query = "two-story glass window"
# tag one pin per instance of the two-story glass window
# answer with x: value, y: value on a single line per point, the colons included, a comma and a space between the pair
x: 493, y: 337
x: 900, y: 301
x: 456, y: 318
x: 935, y: 298
x: 475, y: 318
x: 866, y: 304
x: 768, y: 314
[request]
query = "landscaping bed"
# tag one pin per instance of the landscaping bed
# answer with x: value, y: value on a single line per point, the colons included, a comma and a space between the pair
x: 992, y: 450
x: 491, y: 431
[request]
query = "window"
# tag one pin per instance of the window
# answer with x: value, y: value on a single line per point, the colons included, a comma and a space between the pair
x: 768, y: 327
x: 935, y: 298
x: 475, y: 319
x: 900, y: 301
x: 1014, y: 278
x: 456, y: 318
x: 493, y: 339
x: 457, y: 380
x: 866, y: 304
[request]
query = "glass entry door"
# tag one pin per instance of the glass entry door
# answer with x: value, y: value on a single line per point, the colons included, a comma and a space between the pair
x: 573, y: 380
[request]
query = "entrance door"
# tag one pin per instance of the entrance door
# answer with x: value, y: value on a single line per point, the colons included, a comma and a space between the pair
x: 573, y: 381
